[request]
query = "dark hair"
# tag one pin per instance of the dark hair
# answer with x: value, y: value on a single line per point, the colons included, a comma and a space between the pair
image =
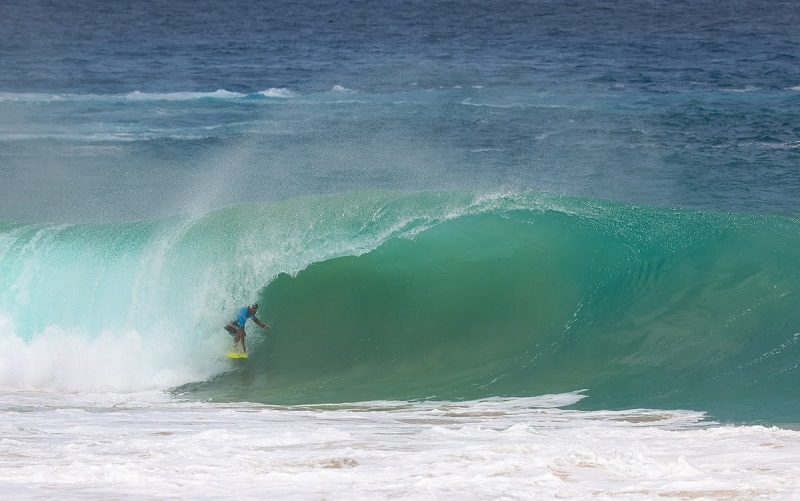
x: 255, y: 305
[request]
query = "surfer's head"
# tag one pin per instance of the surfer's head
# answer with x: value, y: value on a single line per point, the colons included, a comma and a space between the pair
x: 254, y: 307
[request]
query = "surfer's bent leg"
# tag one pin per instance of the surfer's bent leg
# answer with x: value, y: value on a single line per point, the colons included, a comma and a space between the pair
x: 239, y: 336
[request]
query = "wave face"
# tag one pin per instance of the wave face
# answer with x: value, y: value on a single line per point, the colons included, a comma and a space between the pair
x: 388, y: 295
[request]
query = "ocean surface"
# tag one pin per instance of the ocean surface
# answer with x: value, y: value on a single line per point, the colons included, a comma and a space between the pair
x: 507, y: 250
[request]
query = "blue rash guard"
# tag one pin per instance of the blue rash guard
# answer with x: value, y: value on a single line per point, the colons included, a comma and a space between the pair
x: 243, y: 315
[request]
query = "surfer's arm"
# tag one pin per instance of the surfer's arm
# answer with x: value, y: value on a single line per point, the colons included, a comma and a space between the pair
x: 259, y: 322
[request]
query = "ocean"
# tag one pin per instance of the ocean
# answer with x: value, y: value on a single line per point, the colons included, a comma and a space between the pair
x: 506, y: 250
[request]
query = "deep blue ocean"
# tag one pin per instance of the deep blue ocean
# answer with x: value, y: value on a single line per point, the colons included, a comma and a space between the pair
x: 432, y: 199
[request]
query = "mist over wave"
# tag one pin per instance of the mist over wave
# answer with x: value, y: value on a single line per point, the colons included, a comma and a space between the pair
x: 146, y: 155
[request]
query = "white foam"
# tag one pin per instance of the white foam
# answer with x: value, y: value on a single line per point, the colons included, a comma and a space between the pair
x: 135, y: 96
x: 146, y: 446
x: 115, y: 361
x: 29, y: 97
x: 279, y: 93
x: 747, y: 88
x: 342, y: 90
x: 183, y: 96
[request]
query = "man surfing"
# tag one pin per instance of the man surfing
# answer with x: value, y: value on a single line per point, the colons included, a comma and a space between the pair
x: 236, y: 327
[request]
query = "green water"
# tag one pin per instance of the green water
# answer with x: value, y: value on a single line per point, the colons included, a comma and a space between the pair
x: 388, y: 295
x: 640, y: 307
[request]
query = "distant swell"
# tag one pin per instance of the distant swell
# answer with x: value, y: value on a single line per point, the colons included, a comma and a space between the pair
x: 30, y: 97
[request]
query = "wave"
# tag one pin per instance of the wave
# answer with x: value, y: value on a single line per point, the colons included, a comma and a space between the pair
x: 172, y: 283
x: 221, y: 94
x: 387, y: 295
x: 486, y: 97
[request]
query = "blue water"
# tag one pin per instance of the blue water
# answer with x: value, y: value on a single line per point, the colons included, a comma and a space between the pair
x: 252, y: 140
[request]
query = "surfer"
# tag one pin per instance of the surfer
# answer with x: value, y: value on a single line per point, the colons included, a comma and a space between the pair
x: 236, y: 327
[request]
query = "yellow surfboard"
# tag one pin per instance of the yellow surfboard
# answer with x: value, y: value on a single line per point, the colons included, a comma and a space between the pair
x: 236, y: 354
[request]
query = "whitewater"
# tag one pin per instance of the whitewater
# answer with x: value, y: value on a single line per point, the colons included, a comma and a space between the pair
x: 143, y: 446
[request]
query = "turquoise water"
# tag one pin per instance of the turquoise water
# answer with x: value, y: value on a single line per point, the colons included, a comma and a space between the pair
x: 438, y: 295
x: 507, y: 249
x: 429, y: 200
